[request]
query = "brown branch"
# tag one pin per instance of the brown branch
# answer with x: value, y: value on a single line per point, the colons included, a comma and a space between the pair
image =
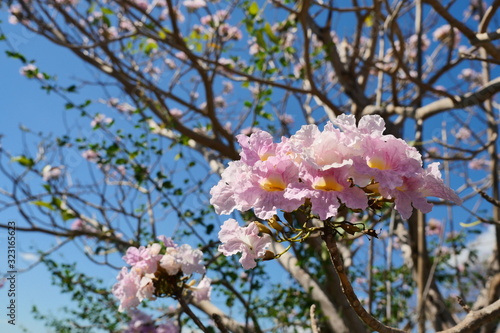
x: 470, y: 34
x: 444, y: 104
x: 338, y: 263
x: 476, y: 319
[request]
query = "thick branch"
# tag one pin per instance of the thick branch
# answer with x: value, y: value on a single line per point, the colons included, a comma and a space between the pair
x: 476, y: 319
x: 444, y: 104
x: 373, y: 323
x: 289, y: 263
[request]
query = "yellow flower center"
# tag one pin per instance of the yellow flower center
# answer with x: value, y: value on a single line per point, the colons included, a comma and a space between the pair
x: 328, y: 183
x: 377, y: 163
x: 273, y: 183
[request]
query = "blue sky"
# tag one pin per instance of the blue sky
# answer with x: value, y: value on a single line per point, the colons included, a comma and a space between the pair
x: 24, y: 103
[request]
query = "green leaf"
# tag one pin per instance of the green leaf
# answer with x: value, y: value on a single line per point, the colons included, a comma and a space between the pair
x: 16, y: 55
x: 107, y: 11
x: 67, y: 215
x: 260, y: 39
x: 270, y: 33
x: 24, y: 161
x: 253, y: 9
x: 43, y: 204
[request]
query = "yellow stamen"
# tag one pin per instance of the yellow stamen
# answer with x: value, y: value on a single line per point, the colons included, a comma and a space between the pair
x: 328, y: 183
x: 273, y: 183
x: 377, y: 163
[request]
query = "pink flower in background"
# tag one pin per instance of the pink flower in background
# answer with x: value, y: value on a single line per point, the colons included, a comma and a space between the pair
x: 90, y: 155
x: 31, y: 71
x: 155, y: 265
x: 49, y: 172
x: 479, y: 164
x: 100, y: 119
x: 444, y: 34
x: 80, y: 225
x: 193, y: 5
x: 434, y: 227
x: 246, y: 240
x: 286, y: 119
x: 141, y: 322
x: 463, y: 133
x: 227, y: 87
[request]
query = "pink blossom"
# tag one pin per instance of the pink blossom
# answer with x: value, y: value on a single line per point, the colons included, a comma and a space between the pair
x: 193, y: 5
x: 339, y: 165
x: 245, y: 240
x: 203, y: 290
x: 181, y: 56
x: 125, y: 108
x: 182, y: 258
x: 264, y: 188
x: 479, y: 164
x: 327, y: 189
x: 257, y: 147
x: 15, y: 10
x: 176, y: 113
x: 49, y: 172
x: 80, y: 225
x: 90, y: 155
x: 227, y: 32
x: 100, y: 119
x: 444, y: 34
x: 156, y: 265
x: 170, y: 63
x: 434, y: 227
x: 31, y: 71
x: 142, y: 4
x: 143, y: 259
x: 463, y: 133
x: 434, y: 186
x: 227, y: 87
x: 225, y: 195
x: 286, y: 119
x: 167, y: 241
x: 126, y: 289
x: 387, y: 160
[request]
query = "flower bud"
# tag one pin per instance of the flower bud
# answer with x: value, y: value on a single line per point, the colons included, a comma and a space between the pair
x: 273, y: 223
x: 269, y: 255
x: 263, y: 228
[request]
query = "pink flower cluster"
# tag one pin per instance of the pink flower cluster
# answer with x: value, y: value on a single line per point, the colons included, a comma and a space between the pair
x: 343, y: 164
x: 158, y: 265
x: 143, y: 323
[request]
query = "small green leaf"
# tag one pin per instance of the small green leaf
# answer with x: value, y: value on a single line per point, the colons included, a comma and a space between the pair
x: 270, y: 33
x: 43, y: 204
x: 24, y: 161
x: 253, y: 9
x: 107, y: 11
x: 67, y: 215
x: 16, y: 55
